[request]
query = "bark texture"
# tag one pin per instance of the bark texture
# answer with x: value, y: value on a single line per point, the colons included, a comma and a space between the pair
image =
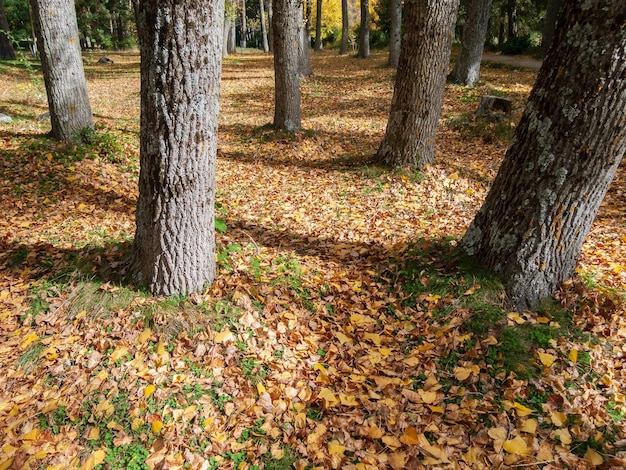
x: 364, y: 33
x: 318, y: 25
x: 345, y: 31
x: 562, y: 159
x: 6, y: 46
x: 286, y: 65
x: 57, y: 36
x: 409, y: 140
x: 304, y: 22
x: 394, y: 33
x: 467, y: 68
x: 266, y: 46
x: 552, y: 13
x: 181, y: 44
x: 244, y: 25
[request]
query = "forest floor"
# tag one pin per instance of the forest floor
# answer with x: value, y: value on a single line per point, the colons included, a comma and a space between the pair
x: 344, y: 329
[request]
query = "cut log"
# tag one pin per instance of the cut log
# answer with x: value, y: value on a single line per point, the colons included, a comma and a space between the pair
x: 490, y: 104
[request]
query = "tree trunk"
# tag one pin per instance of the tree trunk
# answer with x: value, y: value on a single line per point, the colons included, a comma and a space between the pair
x: 62, y: 64
x: 318, y: 25
x: 467, y: 68
x: 270, y: 17
x: 511, y: 15
x: 232, y: 38
x: 6, y: 45
x: 174, y: 248
x: 395, y: 32
x: 244, y: 25
x: 266, y: 47
x: 226, y: 32
x: 409, y: 140
x: 364, y: 34
x: 286, y: 65
x: 562, y: 159
x: 305, y: 39
x: 344, y: 28
x: 552, y: 13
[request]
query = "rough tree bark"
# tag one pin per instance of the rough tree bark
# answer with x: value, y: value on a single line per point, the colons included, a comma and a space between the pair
x: 364, y: 33
x: 467, y: 68
x: 266, y: 47
x: 562, y: 159
x: 304, y: 22
x: 57, y: 36
x: 286, y: 65
x: 409, y: 140
x: 174, y: 247
x: 318, y: 25
x: 395, y: 32
x: 345, y: 31
x: 6, y: 46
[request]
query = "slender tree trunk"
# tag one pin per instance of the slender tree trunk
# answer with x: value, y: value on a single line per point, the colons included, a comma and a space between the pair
x: 226, y: 32
x: 6, y: 46
x: 409, y: 140
x: 232, y: 38
x: 266, y: 47
x: 562, y: 159
x: 270, y: 17
x: 511, y: 14
x: 174, y: 248
x: 552, y: 13
x: 305, y: 39
x: 244, y: 25
x: 467, y: 68
x: 62, y: 64
x: 345, y: 31
x: 364, y: 34
x: 318, y: 26
x: 395, y: 32
x: 286, y: 65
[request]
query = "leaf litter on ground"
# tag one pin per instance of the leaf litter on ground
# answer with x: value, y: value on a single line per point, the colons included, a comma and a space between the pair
x: 344, y: 329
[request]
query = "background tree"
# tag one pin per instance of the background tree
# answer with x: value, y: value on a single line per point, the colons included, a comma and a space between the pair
x: 345, y: 31
x: 62, y: 65
x: 395, y: 31
x: 318, y: 25
x: 266, y: 47
x: 552, y: 13
x: 409, y: 139
x: 244, y: 25
x: 364, y: 31
x: 304, y: 22
x: 174, y: 247
x: 6, y: 45
x: 562, y: 159
x: 467, y: 68
x: 286, y: 65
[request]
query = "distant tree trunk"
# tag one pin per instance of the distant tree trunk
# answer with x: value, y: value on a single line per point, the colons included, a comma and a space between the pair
x: 244, y: 25
x: 364, y: 34
x: 305, y: 39
x: 270, y: 17
x: 62, y: 65
x: 511, y: 14
x: 501, y: 25
x: 174, y: 247
x: 562, y: 159
x: 467, y: 68
x: 552, y: 13
x: 232, y: 38
x: 395, y: 32
x: 409, y: 140
x: 318, y: 25
x: 345, y: 31
x: 266, y: 47
x: 225, y: 38
x: 6, y: 46
x: 286, y: 65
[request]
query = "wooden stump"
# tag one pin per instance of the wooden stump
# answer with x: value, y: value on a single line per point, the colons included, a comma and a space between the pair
x: 490, y: 104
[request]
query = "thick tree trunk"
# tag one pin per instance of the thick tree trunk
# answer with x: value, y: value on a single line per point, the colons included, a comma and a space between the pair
x: 318, y: 26
x: 552, y: 13
x: 304, y: 22
x: 364, y: 34
x: 174, y: 248
x: 409, y: 140
x: 467, y: 68
x: 395, y: 32
x: 345, y: 31
x: 286, y: 65
x: 62, y: 64
x: 266, y: 47
x: 6, y: 46
x: 562, y: 159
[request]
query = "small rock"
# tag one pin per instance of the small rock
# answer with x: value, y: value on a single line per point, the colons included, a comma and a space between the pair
x: 6, y: 119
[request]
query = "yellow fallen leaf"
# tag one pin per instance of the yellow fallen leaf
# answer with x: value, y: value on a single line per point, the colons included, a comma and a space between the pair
x: 516, y: 446
x: 343, y: 338
x: 160, y: 348
x: 373, y: 337
x: 136, y: 424
x: 606, y: 380
x: 521, y: 409
x: 348, y: 400
x: 31, y: 338
x: 148, y: 390
x: 471, y: 456
x: 334, y: 447
x: 435, y: 408
x: 410, y: 436
x: 373, y: 432
x: 119, y: 353
x: 144, y: 336
x: 573, y: 356
x: 472, y: 289
x: 276, y: 451
x: 94, y: 434
x: 33, y: 435
x: 397, y: 460
x: 392, y: 442
x: 6, y: 464
x: 260, y: 388
x: 330, y: 399
x: 514, y: 316
x: 157, y: 426
x: 543, y: 320
x: 593, y: 457
x: 453, y: 176
x: 547, y: 359
x: 427, y: 397
x: 563, y: 435
x: 94, y: 459
x: 497, y: 434
x: 558, y: 418
x: 529, y: 426
x: 224, y: 336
